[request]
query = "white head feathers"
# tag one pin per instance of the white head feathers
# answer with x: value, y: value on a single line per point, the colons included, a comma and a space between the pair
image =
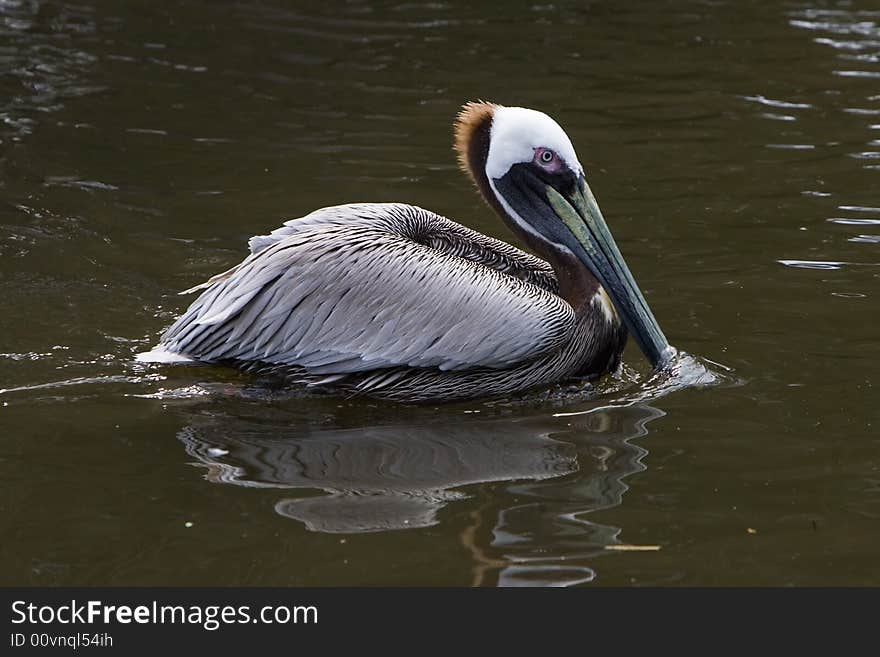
x: 517, y: 132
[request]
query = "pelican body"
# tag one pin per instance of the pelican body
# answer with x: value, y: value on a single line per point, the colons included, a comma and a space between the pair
x: 394, y: 301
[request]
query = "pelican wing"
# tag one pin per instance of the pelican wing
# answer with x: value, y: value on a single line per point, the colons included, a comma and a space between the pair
x: 440, y: 233
x: 454, y: 239
x: 371, y: 286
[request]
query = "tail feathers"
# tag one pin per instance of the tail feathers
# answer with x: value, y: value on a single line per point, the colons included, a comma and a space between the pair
x: 161, y: 354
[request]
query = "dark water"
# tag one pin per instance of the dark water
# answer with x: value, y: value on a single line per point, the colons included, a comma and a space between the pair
x: 735, y: 148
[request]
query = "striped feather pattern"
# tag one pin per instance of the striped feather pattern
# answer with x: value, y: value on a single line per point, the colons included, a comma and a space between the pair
x: 380, y: 297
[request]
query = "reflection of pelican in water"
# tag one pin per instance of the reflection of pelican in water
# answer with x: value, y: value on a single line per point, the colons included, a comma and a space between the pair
x: 534, y: 530
x: 562, y: 509
x: 378, y: 478
x: 397, y: 302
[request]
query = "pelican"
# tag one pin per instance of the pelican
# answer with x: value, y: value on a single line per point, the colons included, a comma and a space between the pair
x: 397, y: 302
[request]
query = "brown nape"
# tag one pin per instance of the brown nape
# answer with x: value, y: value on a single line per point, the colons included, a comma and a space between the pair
x: 473, y: 126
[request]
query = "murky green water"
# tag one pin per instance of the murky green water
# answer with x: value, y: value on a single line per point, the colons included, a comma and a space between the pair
x: 735, y: 148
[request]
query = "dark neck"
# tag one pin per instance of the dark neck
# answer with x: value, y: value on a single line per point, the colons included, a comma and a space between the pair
x: 577, y: 285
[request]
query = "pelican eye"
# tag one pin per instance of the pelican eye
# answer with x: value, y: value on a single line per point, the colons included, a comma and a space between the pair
x: 547, y: 159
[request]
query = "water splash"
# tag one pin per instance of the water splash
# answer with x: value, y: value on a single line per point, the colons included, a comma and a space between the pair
x: 684, y: 371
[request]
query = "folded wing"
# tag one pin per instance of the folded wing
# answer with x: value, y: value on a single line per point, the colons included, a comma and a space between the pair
x: 362, y: 287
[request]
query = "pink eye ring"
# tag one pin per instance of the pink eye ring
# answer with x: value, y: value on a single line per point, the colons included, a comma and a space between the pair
x: 547, y: 159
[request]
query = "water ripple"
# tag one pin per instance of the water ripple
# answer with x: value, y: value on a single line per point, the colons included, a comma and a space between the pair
x: 825, y: 264
x: 857, y: 74
x: 44, y: 72
x: 858, y: 208
x: 812, y: 264
x: 854, y: 222
x: 783, y: 104
x: 83, y: 380
x: 778, y: 117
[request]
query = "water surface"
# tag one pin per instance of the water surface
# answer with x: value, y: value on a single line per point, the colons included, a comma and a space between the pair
x: 734, y: 147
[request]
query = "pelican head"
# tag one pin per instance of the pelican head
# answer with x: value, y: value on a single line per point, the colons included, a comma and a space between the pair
x: 527, y: 169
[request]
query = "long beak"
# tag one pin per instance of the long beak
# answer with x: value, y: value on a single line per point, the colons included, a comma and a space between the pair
x: 580, y: 212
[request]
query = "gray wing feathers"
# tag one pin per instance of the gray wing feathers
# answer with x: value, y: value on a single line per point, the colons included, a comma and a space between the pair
x: 432, y: 230
x: 353, y: 288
